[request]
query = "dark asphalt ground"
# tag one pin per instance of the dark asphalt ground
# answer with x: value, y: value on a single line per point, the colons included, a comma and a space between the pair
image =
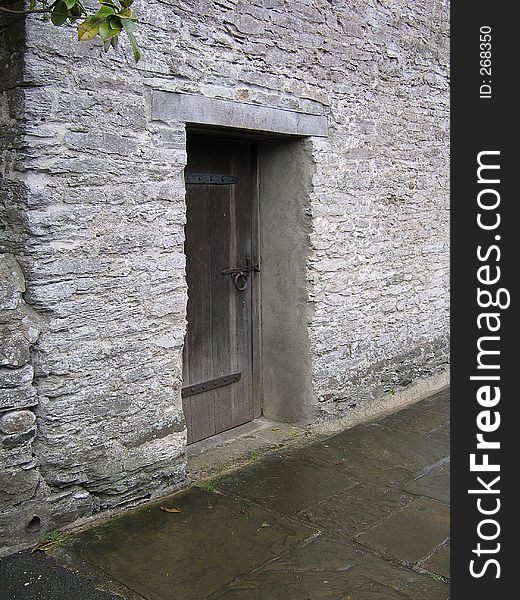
x: 26, y: 576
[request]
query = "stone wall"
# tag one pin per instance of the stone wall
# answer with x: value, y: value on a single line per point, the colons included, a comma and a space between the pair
x: 19, y: 324
x: 97, y: 214
x: 19, y: 329
x: 380, y: 269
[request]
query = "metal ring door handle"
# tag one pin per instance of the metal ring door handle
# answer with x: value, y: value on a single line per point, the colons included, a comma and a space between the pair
x: 240, y: 281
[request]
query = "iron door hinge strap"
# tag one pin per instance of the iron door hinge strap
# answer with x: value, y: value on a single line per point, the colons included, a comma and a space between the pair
x: 210, y: 179
x: 211, y: 384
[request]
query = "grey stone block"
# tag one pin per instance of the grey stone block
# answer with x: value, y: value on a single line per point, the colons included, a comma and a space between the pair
x: 187, y: 108
x: 14, y: 347
x: 16, y: 422
x: 21, y: 397
x: 16, y: 377
x: 17, y: 485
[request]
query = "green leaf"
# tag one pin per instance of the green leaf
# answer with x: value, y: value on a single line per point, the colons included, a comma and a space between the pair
x: 76, y: 12
x: 32, y: 4
x: 115, y: 23
x: 70, y: 3
x: 104, y: 31
x: 91, y: 25
x: 89, y: 28
x: 129, y: 26
x: 110, y: 28
x: 104, y: 12
x: 59, y: 13
x: 108, y: 3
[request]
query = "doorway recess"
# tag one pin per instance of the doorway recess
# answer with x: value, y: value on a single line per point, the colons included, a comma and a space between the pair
x: 248, y: 185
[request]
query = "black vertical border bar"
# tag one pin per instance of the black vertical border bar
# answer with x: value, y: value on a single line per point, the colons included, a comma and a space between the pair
x: 482, y: 124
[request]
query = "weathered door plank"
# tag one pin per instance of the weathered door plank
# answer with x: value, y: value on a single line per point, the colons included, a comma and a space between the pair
x: 218, y: 236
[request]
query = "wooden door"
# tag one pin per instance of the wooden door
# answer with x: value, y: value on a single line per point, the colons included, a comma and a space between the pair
x: 217, y: 365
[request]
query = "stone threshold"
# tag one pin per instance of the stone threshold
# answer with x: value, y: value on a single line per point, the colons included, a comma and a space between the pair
x: 238, y: 446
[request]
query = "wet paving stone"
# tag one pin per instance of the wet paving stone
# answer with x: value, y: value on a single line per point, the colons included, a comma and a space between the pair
x: 355, y: 463
x: 325, y: 569
x: 439, y: 563
x: 188, y: 555
x: 356, y: 508
x: 441, y: 433
x: 439, y: 402
x: 423, y: 421
x: 376, y: 454
x: 412, y: 533
x: 435, y: 484
x: 284, y: 483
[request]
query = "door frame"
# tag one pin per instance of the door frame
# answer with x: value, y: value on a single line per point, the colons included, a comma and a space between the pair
x: 256, y: 291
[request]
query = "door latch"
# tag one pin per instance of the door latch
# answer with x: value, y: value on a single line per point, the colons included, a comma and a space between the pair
x: 241, y: 274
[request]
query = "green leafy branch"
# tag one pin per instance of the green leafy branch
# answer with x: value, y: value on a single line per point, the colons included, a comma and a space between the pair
x: 108, y: 22
x: 112, y: 17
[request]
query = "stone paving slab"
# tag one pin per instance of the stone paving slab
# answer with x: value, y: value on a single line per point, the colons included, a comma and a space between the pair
x: 435, y: 484
x: 399, y: 449
x: 355, y: 509
x: 190, y: 554
x: 327, y: 569
x: 236, y: 447
x: 439, y: 403
x: 349, y: 457
x: 410, y: 534
x: 439, y: 562
x: 284, y: 482
x: 441, y: 433
x: 425, y: 421
x: 375, y: 453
